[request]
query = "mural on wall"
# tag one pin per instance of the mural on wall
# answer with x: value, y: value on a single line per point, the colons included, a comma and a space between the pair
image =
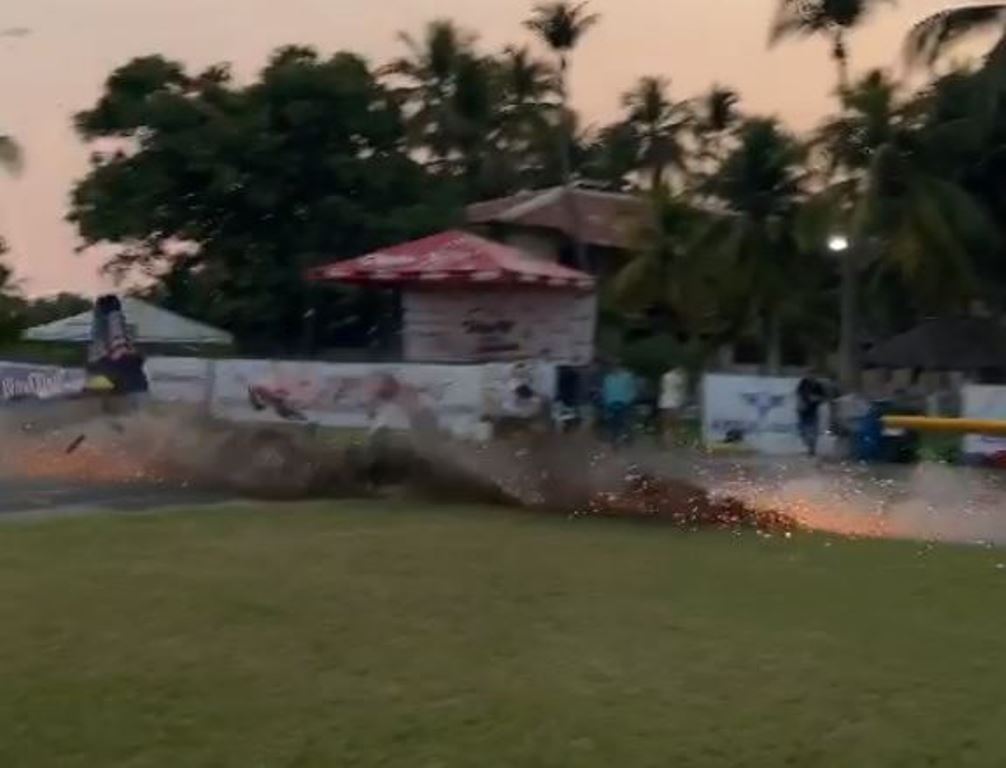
x: 290, y: 390
x: 348, y: 395
x: 491, y: 326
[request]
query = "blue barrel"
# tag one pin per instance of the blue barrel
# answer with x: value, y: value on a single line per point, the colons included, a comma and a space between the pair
x: 868, y: 439
x: 872, y: 443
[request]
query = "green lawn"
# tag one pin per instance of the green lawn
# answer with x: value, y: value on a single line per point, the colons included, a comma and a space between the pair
x: 358, y: 635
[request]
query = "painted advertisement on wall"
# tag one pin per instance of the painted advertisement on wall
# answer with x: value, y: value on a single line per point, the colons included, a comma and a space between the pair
x: 485, y: 326
x: 760, y: 410
x: 983, y: 402
x: 352, y: 396
x: 22, y: 380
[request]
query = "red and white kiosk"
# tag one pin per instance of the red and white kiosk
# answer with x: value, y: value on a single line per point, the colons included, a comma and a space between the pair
x: 466, y: 299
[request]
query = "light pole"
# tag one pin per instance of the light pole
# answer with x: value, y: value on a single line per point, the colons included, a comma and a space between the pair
x: 848, y: 345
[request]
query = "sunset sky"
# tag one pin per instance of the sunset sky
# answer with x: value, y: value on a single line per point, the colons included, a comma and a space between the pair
x: 59, y: 68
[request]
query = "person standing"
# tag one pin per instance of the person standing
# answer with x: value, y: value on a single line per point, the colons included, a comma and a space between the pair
x: 673, y: 394
x: 618, y: 395
x: 810, y: 395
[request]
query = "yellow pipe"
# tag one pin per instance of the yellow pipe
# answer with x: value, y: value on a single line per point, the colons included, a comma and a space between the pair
x: 957, y: 426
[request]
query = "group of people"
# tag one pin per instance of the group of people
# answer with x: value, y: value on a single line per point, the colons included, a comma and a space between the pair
x: 620, y: 392
x: 616, y: 393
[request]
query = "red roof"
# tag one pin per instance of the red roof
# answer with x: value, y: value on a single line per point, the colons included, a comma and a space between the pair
x: 452, y: 258
x: 607, y: 219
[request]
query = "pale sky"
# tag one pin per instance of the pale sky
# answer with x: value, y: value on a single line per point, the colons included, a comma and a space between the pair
x: 58, y: 69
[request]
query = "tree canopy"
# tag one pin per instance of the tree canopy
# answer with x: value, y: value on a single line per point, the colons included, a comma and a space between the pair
x: 233, y: 191
x: 218, y: 194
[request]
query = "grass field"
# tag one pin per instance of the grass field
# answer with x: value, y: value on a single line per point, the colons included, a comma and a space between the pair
x: 363, y: 635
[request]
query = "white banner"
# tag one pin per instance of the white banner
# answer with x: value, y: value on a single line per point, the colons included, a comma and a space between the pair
x: 467, y: 326
x: 350, y: 396
x: 179, y: 379
x: 983, y: 402
x: 26, y: 380
x: 501, y: 380
x: 762, y: 409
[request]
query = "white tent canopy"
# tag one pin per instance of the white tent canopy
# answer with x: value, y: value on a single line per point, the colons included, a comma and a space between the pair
x: 147, y: 323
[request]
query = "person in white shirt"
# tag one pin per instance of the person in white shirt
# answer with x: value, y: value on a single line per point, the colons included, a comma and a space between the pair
x: 673, y: 395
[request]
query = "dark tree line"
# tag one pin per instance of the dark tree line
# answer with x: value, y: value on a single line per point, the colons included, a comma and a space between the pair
x: 221, y: 193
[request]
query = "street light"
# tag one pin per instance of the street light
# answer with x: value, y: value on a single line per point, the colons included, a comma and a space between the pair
x: 848, y: 361
x: 838, y: 243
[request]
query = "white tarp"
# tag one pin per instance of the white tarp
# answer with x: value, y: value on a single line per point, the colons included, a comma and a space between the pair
x: 147, y: 323
x: 473, y: 326
x: 761, y: 408
x: 983, y: 402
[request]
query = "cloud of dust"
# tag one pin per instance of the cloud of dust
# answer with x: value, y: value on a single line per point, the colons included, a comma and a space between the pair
x: 932, y: 502
x: 569, y: 474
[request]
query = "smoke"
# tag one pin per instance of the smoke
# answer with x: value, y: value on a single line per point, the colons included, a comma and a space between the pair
x: 934, y: 502
x: 565, y: 474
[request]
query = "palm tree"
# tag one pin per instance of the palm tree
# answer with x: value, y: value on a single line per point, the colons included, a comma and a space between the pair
x: 898, y: 196
x: 612, y: 156
x: 716, y: 116
x: 760, y: 188
x: 718, y: 112
x: 527, y: 81
x: 471, y: 121
x: 669, y: 275
x: 662, y: 278
x: 451, y: 98
x: 931, y: 37
x: 660, y: 123
x: 720, y: 109
x: 429, y: 78
x: 833, y: 19
x: 871, y: 116
x: 661, y: 270
x: 561, y: 26
x: 526, y: 110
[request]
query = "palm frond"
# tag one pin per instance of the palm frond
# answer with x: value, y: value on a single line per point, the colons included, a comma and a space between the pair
x: 802, y: 18
x: 931, y: 37
x: 561, y: 25
x: 794, y: 18
x: 638, y: 284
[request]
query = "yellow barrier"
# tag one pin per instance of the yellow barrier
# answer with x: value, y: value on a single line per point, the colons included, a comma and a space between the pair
x: 956, y: 426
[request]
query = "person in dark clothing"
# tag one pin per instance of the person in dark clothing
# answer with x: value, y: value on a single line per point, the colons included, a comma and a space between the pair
x: 810, y: 394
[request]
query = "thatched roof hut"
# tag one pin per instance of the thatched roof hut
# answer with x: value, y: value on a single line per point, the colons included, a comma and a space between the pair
x: 945, y: 344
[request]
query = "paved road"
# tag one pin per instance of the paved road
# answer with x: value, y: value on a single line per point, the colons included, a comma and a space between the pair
x: 18, y: 497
